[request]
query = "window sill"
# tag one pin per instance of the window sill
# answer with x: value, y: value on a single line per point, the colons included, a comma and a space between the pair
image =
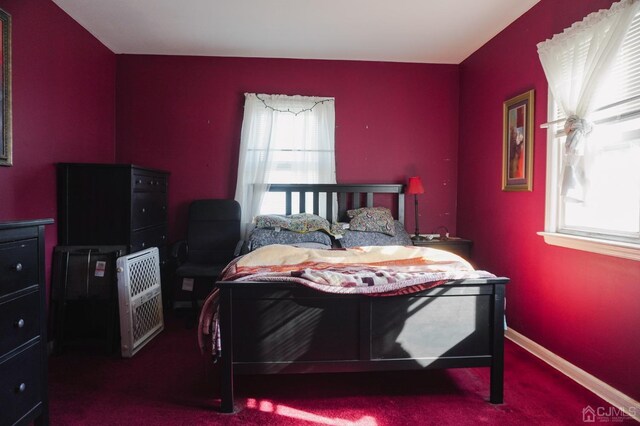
x: 609, y: 248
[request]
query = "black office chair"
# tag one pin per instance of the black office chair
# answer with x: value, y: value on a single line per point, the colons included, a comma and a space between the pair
x: 213, y: 240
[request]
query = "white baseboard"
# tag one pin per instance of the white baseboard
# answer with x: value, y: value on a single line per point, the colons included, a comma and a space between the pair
x: 613, y: 396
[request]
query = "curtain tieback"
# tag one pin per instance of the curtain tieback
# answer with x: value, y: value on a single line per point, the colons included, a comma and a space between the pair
x: 576, y: 129
x: 574, y: 180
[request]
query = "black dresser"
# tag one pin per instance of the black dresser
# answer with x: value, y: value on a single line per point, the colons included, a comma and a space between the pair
x: 112, y: 204
x: 23, y: 341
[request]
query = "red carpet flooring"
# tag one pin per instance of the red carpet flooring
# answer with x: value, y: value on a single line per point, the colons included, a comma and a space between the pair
x: 169, y: 383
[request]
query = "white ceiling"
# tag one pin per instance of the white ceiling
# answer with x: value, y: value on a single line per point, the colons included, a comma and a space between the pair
x: 429, y: 31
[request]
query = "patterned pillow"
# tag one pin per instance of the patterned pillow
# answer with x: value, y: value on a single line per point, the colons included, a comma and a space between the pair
x: 359, y: 238
x: 302, y: 222
x: 264, y: 237
x: 372, y: 219
x: 356, y: 212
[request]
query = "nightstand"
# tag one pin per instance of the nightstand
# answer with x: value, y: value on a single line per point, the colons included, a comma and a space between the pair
x: 459, y: 246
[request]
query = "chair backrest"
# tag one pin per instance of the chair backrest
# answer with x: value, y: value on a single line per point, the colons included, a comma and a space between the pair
x: 213, y: 231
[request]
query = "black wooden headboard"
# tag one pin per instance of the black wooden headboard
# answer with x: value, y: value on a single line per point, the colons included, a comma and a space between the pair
x: 349, y: 196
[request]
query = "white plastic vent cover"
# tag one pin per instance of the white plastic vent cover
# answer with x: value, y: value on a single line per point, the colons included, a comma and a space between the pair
x: 140, y: 299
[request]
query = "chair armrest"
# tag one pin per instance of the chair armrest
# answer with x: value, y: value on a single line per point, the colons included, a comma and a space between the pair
x: 179, y: 251
x: 239, y: 248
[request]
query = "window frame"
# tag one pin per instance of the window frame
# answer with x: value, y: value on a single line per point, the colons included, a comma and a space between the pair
x: 556, y: 236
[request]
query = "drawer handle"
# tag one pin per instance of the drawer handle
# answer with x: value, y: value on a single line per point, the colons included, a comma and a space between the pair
x: 144, y: 210
x: 144, y: 244
x: 163, y: 237
x: 21, y: 388
x: 139, y: 181
x: 18, y: 267
x: 19, y: 323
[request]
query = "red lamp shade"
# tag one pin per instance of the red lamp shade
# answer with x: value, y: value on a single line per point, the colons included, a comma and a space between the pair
x: 415, y: 186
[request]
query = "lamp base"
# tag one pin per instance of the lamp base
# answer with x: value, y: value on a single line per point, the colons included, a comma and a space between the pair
x: 419, y: 238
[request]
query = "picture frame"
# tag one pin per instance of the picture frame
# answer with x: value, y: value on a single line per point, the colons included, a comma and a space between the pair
x: 517, y: 140
x: 6, y: 130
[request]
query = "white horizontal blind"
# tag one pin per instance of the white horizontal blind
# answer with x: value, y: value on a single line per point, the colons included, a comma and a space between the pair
x: 622, y: 84
x: 612, y: 210
x: 624, y: 81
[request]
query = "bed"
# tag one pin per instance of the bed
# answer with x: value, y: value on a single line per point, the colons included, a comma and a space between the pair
x: 286, y: 328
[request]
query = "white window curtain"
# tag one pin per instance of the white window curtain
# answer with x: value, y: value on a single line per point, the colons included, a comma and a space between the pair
x: 285, y: 139
x: 575, y: 62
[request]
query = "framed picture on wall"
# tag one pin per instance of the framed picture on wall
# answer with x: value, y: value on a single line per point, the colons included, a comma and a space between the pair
x: 517, y: 157
x: 6, y: 152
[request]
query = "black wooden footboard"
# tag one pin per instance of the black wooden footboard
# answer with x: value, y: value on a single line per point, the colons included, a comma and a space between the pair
x: 269, y: 328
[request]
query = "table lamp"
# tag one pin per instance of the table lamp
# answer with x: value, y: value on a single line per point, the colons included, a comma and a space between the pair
x: 414, y: 187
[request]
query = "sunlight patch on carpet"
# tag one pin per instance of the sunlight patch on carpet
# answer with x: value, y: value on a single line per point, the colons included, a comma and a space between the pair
x: 282, y: 410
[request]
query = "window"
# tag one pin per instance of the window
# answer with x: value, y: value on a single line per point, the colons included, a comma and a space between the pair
x: 297, y: 155
x: 285, y: 139
x: 608, y: 219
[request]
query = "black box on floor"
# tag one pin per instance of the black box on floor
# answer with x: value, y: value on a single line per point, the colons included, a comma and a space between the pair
x: 83, y: 272
x: 85, y: 294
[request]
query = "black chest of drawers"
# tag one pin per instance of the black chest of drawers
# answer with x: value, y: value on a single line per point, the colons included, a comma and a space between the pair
x: 112, y: 204
x: 23, y: 341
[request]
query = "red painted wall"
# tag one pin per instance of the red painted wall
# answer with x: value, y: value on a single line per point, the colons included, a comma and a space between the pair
x: 184, y: 114
x: 582, y: 306
x: 63, y: 107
